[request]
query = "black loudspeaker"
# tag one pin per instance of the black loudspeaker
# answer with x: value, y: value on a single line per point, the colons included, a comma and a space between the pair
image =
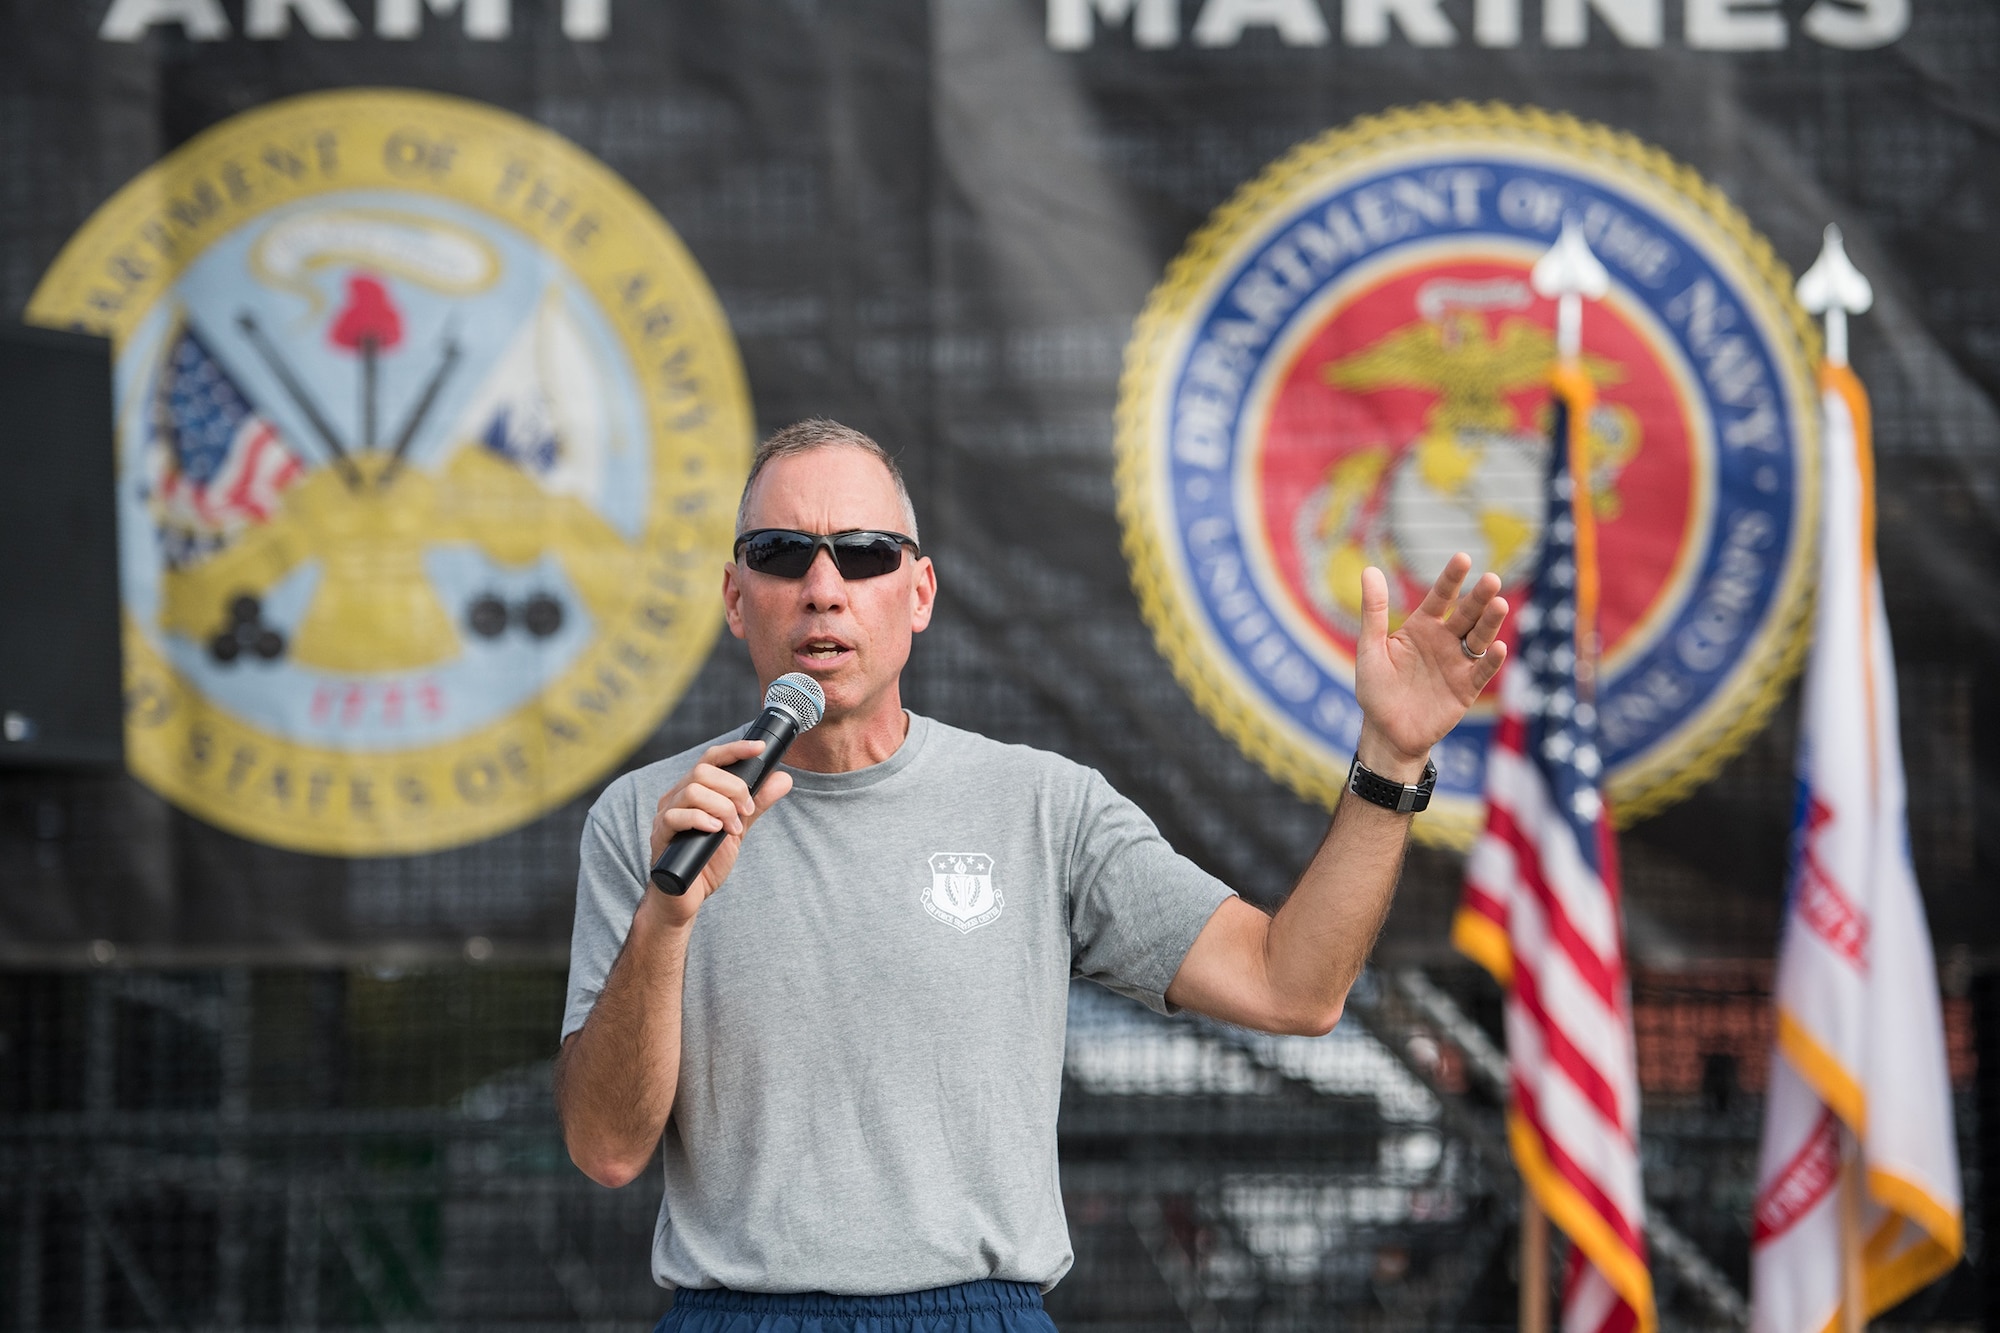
x: 61, y: 694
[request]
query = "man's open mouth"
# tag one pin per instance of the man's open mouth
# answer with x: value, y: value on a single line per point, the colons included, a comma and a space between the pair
x: 821, y: 650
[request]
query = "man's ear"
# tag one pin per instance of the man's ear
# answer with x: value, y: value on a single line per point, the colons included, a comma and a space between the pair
x: 732, y: 600
x: 923, y: 596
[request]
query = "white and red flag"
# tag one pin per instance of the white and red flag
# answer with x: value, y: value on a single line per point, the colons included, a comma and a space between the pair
x: 1861, y: 1074
x: 1540, y: 912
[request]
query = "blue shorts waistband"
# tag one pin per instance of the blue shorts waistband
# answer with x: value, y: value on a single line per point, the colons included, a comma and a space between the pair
x: 963, y: 1297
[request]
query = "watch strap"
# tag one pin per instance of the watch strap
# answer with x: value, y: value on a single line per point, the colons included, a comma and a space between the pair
x: 1403, y: 798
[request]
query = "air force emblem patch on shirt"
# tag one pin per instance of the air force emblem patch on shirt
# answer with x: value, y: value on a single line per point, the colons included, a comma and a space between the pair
x: 961, y: 893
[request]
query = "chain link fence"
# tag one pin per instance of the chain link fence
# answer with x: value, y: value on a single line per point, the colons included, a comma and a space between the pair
x: 378, y: 1148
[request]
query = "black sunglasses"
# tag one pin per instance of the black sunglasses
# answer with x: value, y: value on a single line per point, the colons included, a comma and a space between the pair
x: 787, y: 553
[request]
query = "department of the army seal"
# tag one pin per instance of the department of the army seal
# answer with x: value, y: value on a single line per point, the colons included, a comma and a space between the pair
x: 1348, y: 366
x: 429, y: 438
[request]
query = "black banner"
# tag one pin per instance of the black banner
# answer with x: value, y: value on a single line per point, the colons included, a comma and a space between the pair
x: 940, y: 224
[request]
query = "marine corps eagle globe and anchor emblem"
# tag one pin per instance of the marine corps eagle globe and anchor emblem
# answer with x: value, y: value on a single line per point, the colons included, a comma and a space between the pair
x: 429, y: 437
x: 1348, y: 366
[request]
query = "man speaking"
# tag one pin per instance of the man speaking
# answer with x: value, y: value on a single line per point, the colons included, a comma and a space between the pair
x: 852, y: 1084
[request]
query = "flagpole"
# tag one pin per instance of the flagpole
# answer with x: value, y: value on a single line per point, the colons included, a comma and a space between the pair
x: 1569, y: 272
x: 1834, y: 289
x: 1853, y: 1306
x: 1534, y: 1308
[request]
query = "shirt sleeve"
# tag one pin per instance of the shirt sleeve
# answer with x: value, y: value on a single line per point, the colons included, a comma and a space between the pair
x: 609, y: 885
x: 1136, y: 904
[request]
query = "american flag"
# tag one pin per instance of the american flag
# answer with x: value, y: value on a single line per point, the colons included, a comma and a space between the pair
x: 217, y: 463
x: 1540, y: 912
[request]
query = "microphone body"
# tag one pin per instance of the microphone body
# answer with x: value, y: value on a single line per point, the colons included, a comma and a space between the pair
x: 785, y: 715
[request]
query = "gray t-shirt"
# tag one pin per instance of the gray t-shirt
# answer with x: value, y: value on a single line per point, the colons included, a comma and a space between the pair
x: 873, y: 1014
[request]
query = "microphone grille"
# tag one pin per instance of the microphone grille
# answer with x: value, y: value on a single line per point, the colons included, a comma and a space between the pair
x: 800, y: 695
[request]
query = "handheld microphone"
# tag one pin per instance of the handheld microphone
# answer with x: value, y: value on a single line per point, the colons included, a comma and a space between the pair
x: 793, y: 704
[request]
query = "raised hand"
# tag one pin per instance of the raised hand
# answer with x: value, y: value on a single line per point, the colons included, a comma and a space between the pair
x: 1414, y: 685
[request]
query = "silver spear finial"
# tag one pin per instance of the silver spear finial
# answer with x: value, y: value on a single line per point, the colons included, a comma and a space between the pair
x: 1833, y: 287
x: 1569, y: 272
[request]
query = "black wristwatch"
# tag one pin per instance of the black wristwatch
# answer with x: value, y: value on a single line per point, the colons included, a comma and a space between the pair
x: 1378, y: 790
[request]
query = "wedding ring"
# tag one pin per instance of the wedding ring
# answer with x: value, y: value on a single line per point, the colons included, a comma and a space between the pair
x: 1466, y: 644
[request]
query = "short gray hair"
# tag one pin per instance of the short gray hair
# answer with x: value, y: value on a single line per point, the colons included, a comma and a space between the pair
x: 802, y: 437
